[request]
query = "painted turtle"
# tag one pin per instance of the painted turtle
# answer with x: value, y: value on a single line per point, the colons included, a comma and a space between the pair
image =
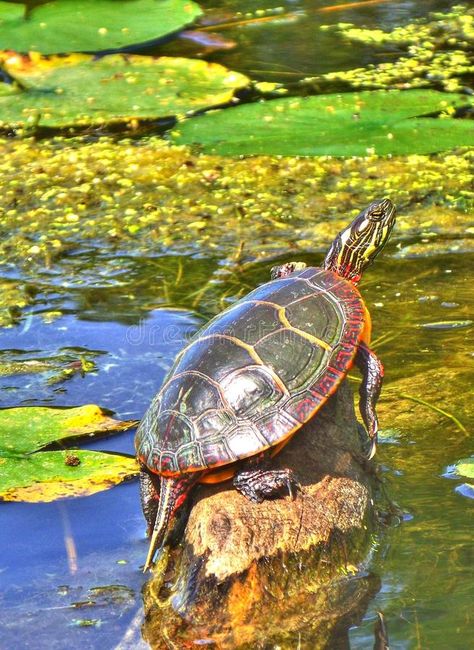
x: 257, y: 372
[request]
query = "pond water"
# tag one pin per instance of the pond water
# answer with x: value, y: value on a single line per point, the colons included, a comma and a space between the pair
x: 115, y: 307
x: 292, y: 48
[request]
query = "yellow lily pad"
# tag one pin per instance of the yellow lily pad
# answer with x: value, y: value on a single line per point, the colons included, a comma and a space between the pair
x: 27, y: 429
x: 78, y: 90
x: 51, y: 475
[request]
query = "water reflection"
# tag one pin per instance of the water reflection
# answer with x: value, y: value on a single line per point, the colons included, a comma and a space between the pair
x: 286, y: 51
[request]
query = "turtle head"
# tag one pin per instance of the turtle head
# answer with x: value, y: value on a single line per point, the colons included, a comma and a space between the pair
x: 358, y: 245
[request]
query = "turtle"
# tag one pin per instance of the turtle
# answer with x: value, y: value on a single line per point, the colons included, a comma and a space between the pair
x: 249, y: 380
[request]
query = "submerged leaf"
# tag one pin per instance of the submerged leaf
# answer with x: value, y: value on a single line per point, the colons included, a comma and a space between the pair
x: 26, y: 367
x: 90, y: 25
x: 27, y: 429
x: 351, y: 124
x: 80, y: 90
x: 51, y: 475
x: 60, y: 366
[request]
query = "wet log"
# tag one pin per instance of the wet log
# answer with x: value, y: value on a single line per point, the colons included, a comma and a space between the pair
x: 281, y: 573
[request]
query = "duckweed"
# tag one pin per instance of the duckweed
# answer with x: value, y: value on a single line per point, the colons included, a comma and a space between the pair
x: 434, y: 50
x: 147, y: 196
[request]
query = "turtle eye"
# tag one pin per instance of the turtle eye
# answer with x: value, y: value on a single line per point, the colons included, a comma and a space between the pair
x: 377, y: 214
x: 380, y: 210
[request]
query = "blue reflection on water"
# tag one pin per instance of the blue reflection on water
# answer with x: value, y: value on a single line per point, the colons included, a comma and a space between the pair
x: 38, y: 581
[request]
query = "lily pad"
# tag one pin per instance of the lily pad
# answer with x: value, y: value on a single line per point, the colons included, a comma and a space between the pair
x: 51, y: 475
x: 79, y: 90
x: 8, y: 90
x: 27, y: 429
x: 351, y: 124
x: 48, y: 475
x: 90, y: 25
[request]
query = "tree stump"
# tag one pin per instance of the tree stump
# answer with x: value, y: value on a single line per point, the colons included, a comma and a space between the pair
x: 281, y: 573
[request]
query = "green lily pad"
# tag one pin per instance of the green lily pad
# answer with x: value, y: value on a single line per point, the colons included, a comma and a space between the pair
x: 351, y: 124
x: 27, y: 429
x: 464, y: 467
x: 51, y: 475
x: 91, y: 25
x: 8, y: 90
x: 79, y: 90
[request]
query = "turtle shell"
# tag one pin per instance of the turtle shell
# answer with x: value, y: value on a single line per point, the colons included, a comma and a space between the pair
x: 254, y: 374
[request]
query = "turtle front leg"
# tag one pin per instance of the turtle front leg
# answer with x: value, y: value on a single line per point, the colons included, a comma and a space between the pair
x: 372, y: 376
x: 173, y: 493
x: 257, y: 482
x: 149, y: 497
x: 282, y: 270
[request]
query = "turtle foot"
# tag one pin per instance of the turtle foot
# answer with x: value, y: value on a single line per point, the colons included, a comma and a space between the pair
x: 258, y: 484
x: 283, y: 270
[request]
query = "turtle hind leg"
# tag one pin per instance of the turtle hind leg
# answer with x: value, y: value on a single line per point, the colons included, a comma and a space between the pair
x: 257, y: 482
x: 372, y: 376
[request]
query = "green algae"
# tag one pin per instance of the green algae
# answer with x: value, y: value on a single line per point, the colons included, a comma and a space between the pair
x: 145, y: 197
x: 433, y: 51
x: 64, y: 197
x: 14, y: 297
x: 429, y: 399
x: 66, y: 364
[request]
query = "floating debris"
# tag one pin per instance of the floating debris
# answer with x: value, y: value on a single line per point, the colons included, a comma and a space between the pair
x: 465, y: 490
x: 447, y: 324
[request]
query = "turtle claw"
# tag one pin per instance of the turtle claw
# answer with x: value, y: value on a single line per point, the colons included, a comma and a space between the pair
x: 159, y: 564
x: 294, y: 486
x: 291, y: 494
x: 372, y: 450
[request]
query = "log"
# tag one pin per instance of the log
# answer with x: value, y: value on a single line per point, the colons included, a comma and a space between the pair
x: 281, y: 573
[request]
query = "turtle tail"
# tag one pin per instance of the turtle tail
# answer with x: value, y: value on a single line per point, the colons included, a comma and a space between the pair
x: 173, y: 493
